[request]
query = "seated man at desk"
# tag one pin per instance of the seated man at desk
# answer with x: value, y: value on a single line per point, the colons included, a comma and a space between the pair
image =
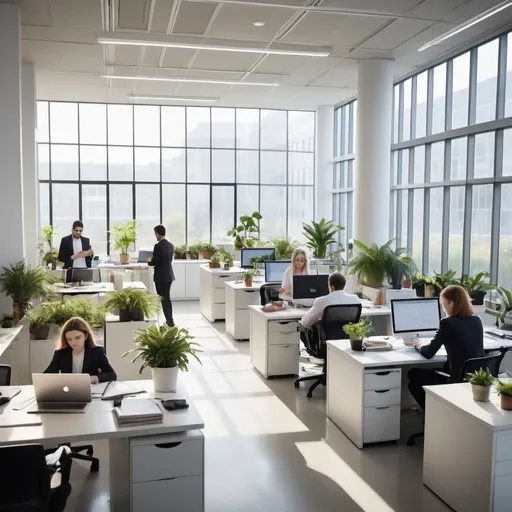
x: 336, y: 296
x: 462, y: 334
x: 299, y: 266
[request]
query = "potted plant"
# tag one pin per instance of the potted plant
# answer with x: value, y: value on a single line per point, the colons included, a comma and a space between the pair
x: 23, y: 284
x: 206, y: 250
x: 165, y: 350
x: 133, y: 304
x: 481, y: 382
x: 284, y: 248
x: 477, y: 287
x: 7, y: 321
x: 124, y: 236
x: 504, y: 307
x: 399, y: 265
x: 215, y: 261
x: 444, y: 280
x: 226, y: 257
x: 370, y: 263
x: 424, y: 285
x: 504, y: 389
x: 193, y: 251
x: 60, y: 311
x: 40, y: 321
x: 49, y: 254
x: 337, y: 258
x: 180, y: 252
x: 247, y: 231
x: 320, y: 235
x: 357, y: 332
x: 248, y: 277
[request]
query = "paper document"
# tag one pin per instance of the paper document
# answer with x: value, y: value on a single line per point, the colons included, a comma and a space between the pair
x: 138, y: 411
x: 99, y: 388
x: 117, y: 389
x: 9, y: 392
x: 18, y: 420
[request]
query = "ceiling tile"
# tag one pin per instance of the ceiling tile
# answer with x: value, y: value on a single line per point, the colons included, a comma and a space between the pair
x: 281, y: 64
x: 155, y: 88
x: 342, y: 75
x: 63, y: 34
x: 161, y: 15
x: 436, y: 9
x: 35, y: 12
x: 375, y: 6
x: 76, y: 13
x: 177, y: 57
x: 193, y: 17
x: 132, y: 14
x: 309, y: 71
x: 152, y: 56
x: 203, y: 90
x: 126, y: 56
x: 224, y: 61
x: 398, y: 33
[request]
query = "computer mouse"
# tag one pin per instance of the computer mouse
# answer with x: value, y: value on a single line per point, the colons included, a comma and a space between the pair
x: 4, y: 400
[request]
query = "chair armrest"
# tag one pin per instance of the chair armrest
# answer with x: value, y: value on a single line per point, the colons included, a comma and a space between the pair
x: 443, y: 374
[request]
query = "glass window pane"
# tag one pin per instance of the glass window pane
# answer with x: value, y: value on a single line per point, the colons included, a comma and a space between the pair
x: 173, y: 164
x: 456, y: 230
x: 173, y: 212
x: 421, y: 104
x: 147, y: 213
x: 223, y: 127
x: 273, y: 211
x: 439, y: 99
x: 247, y: 166
x: 64, y: 122
x: 121, y: 204
x: 247, y: 128
x: 223, y: 166
x: 337, y: 132
x: 394, y: 215
x: 198, y: 165
x: 247, y: 199
x: 43, y: 122
x: 198, y: 127
x: 404, y: 175
x: 346, y: 130
x: 301, y: 168
x: 94, y: 216
x: 507, y: 152
x: 93, y: 123
x: 394, y: 168
x: 198, y: 213
x: 419, y: 164
x: 487, y: 81
x: 484, y: 155
x: 354, y: 121
x: 404, y: 214
x: 459, y: 159
x: 120, y: 124
x: 437, y: 161
x: 173, y: 126
x: 43, y: 154
x: 44, y: 206
x: 396, y: 108
x: 417, y: 226
x: 505, y: 256
x: 65, y: 207
x: 436, y: 229
x: 64, y: 162
x: 147, y: 164
x: 273, y: 129
x: 120, y: 164
x: 273, y: 167
x: 508, y: 94
x: 301, y: 131
x: 223, y: 213
x: 406, y: 115
x: 147, y: 125
x: 481, y: 221
x: 300, y: 209
x: 93, y: 163
x: 460, y: 98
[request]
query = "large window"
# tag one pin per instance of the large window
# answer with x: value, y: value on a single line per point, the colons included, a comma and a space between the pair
x: 194, y: 169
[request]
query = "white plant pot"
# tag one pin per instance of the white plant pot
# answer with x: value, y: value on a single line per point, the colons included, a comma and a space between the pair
x: 165, y: 379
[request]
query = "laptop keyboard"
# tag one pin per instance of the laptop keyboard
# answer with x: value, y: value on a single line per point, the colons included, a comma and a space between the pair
x: 63, y: 406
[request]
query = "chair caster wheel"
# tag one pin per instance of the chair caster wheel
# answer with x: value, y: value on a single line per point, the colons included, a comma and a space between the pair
x: 95, y: 467
x: 309, y: 395
x: 410, y: 442
x: 296, y: 384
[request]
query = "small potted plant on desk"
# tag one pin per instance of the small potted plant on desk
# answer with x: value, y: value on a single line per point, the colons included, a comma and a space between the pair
x: 481, y: 382
x: 357, y: 332
x: 248, y: 276
x: 228, y: 260
x: 165, y: 350
x: 504, y: 389
x: 215, y: 261
x: 133, y: 304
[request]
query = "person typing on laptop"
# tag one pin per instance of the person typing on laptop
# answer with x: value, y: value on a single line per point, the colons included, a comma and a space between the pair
x: 77, y: 352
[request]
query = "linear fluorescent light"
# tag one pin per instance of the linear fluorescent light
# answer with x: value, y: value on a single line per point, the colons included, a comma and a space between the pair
x: 172, y: 98
x: 187, y: 46
x: 468, y: 24
x: 188, y: 80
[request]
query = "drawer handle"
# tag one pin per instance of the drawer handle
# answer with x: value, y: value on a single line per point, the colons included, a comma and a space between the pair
x: 222, y: 277
x: 249, y: 291
x: 380, y: 374
x: 382, y: 407
x: 288, y: 332
x: 285, y: 323
x: 285, y: 346
x: 167, y: 445
x: 381, y: 390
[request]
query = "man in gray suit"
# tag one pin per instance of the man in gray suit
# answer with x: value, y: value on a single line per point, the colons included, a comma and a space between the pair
x: 163, y: 253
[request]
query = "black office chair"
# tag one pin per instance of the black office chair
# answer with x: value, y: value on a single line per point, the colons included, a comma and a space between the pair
x: 5, y: 375
x: 491, y: 361
x: 330, y: 327
x: 269, y: 293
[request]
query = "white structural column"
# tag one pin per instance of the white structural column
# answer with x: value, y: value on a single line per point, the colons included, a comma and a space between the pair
x: 11, y: 189
x: 372, y: 172
x: 30, y: 188
x: 324, y: 165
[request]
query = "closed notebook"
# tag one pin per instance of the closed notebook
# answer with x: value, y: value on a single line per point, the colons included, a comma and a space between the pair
x: 117, y: 389
x: 136, y: 411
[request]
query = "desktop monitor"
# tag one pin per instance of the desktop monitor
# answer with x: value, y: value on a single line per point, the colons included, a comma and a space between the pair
x: 79, y: 275
x: 143, y: 256
x: 415, y: 315
x: 261, y: 254
x: 274, y: 270
x: 310, y: 286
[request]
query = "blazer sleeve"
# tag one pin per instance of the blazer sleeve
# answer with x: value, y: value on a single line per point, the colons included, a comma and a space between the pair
x: 156, y: 256
x: 55, y: 365
x: 63, y: 253
x: 442, y: 334
x: 86, y: 245
x: 107, y: 373
x: 314, y: 314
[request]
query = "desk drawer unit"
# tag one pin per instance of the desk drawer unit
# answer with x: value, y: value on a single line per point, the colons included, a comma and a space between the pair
x: 283, y: 326
x: 246, y: 298
x: 381, y: 423
x: 377, y: 397
x: 283, y: 359
x: 382, y: 379
x: 219, y: 280
x: 502, y: 492
x: 284, y: 338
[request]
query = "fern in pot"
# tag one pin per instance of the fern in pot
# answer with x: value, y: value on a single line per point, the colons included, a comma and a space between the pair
x: 132, y: 304
x: 165, y: 350
x: 481, y: 382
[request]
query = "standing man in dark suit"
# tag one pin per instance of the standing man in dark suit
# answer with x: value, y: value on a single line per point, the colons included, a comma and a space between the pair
x: 75, y: 250
x: 163, y: 253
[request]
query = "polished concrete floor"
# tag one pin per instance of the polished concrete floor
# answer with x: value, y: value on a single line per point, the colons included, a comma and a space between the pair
x: 271, y: 449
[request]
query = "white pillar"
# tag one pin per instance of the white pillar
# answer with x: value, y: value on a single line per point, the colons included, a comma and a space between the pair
x: 30, y: 183
x: 373, y: 151
x: 11, y: 190
x: 324, y: 165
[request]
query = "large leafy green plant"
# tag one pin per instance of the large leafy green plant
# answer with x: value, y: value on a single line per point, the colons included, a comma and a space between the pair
x: 477, y: 284
x: 23, y: 284
x: 49, y: 253
x: 133, y: 299
x: 320, y: 235
x: 60, y: 311
x: 284, y: 247
x: 505, y: 298
x: 247, y: 232
x: 164, y: 347
x: 444, y: 280
x: 369, y: 265
x: 124, y: 236
x: 399, y: 265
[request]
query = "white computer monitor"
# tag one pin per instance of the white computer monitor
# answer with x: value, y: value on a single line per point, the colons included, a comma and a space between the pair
x: 274, y: 270
x: 415, y: 316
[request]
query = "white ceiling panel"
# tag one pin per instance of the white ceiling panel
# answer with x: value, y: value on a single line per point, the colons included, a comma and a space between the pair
x: 203, y: 90
x: 61, y: 86
x: 132, y: 14
x: 161, y: 15
x: 177, y: 57
x: 374, y: 6
x: 35, y: 12
x: 63, y: 34
x: 152, y: 56
x: 398, y: 33
x: 126, y: 55
x: 356, y: 29
x: 343, y: 75
x: 224, y: 61
x: 281, y: 64
x: 215, y: 75
x: 310, y: 71
x: 194, y: 17
x: 436, y: 9
x: 467, y: 10
x: 154, y: 88
x: 75, y: 13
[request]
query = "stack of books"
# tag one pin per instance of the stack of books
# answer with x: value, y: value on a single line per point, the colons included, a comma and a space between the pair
x: 138, y: 411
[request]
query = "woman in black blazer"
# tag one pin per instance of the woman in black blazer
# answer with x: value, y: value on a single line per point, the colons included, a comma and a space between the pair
x: 462, y: 334
x: 77, y: 352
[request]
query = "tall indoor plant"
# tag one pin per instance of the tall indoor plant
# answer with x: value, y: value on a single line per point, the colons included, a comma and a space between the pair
x: 247, y: 232
x: 399, y: 266
x: 369, y: 264
x: 49, y: 253
x: 124, y: 236
x: 165, y: 350
x: 320, y: 235
x: 477, y: 287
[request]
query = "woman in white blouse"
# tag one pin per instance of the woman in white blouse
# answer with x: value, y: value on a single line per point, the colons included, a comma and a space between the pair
x: 299, y: 266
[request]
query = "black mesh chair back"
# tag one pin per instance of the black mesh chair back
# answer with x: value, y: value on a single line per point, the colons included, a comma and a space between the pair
x: 335, y: 317
x: 269, y: 293
x: 492, y: 361
x: 5, y: 375
x: 25, y: 482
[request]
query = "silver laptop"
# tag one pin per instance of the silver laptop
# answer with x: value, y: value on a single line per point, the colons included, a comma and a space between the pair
x: 61, y: 392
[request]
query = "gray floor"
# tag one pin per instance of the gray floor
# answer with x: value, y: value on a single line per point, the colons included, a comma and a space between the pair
x: 270, y: 448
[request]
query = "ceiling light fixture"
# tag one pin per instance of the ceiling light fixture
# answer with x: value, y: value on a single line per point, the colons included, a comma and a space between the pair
x: 186, y: 46
x: 171, y: 98
x: 259, y: 23
x: 468, y: 24
x: 189, y: 80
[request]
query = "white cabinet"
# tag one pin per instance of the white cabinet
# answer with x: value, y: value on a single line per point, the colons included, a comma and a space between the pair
x: 238, y: 299
x: 192, y: 279
x: 179, y: 285
x: 15, y: 352
x: 213, y: 296
x: 186, y: 283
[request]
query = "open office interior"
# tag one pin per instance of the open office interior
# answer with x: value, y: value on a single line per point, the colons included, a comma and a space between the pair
x: 391, y: 118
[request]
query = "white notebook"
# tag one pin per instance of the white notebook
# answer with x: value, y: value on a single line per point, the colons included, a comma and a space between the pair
x: 118, y: 389
x: 138, y: 410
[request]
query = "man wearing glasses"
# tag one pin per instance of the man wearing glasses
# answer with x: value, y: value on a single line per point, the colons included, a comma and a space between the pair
x: 75, y: 250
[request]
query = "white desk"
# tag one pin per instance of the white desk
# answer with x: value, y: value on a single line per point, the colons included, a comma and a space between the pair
x: 275, y: 339
x: 15, y: 352
x: 467, y: 458
x: 238, y: 299
x: 95, y: 288
x: 150, y: 465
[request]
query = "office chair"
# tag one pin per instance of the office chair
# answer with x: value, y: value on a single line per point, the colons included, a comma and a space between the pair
x: 492, y: 361
x: 5, y: 375
x: 269, y: 293
x: 330, y: 327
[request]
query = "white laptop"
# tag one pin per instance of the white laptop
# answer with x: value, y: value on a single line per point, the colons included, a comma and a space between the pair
x: 61, y: 392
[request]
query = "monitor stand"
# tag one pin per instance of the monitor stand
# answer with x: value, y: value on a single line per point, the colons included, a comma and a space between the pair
x: 409, y: 336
